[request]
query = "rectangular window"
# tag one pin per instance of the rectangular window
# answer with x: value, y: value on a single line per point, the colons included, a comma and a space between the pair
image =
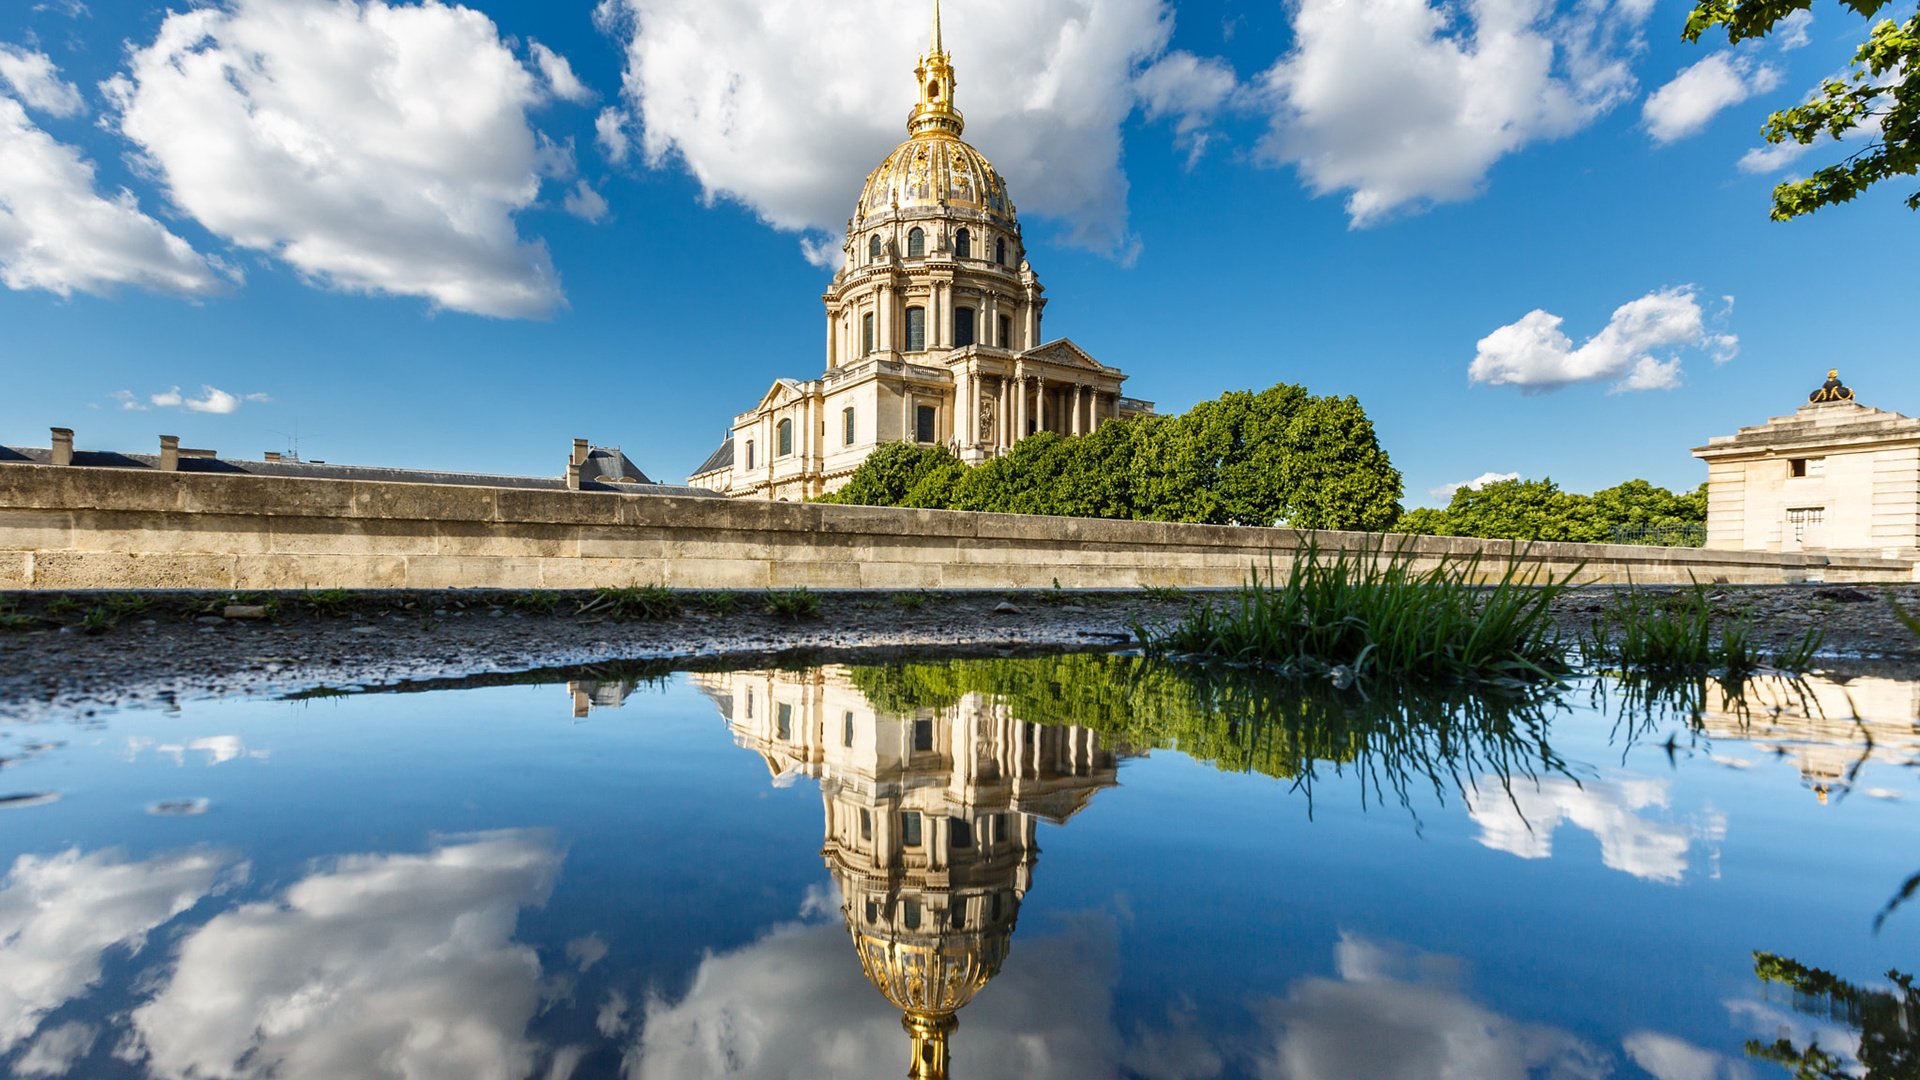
x: 910, y: 828
x: 1797, y: 466
x: 846, y: 427
x: 999, y: 828
x: 846, y: 730
x: 962, y: 327
x: 923, y: 736
x: 866, y: 824
x: 923, y: 426
x: 916, y: 329
x: 962, y: 832
x: 785, y: 434
x: 784, y: 725
x: 1804, y: 520
x: 866, y: 333
x: 1006, y: 331
x: 749, y: 453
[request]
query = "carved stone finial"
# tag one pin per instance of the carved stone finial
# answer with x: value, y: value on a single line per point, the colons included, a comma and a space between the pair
x: 1832, y: 390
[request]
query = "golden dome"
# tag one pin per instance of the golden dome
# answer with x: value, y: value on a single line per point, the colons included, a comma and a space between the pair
x: 935, y: 169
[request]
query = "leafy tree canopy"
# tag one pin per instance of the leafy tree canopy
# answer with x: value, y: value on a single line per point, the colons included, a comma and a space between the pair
x: 1876, y: 93
x: 1636, y: 511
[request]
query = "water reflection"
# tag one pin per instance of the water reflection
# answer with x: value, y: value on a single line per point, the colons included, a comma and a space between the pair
x: 931, y: 825
x: 1829, y: 729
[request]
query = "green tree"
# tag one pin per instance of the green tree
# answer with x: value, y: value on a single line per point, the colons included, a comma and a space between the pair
x: 1424, y: 521
x: 1333, y: 473
x: 1539, y: 510
x: 893, y: 471
x: 1878, y: 91
x: 1638, y: 507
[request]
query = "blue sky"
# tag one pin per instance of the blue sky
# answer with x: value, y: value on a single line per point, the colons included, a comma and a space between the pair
x: 458, y: 237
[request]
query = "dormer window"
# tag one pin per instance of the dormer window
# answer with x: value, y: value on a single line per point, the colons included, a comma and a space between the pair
x: 873, y: 248
x: 916, y: 244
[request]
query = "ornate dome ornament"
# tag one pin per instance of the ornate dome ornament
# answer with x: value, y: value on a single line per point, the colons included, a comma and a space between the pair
x: 935, y: 169
x: 1832, y: 390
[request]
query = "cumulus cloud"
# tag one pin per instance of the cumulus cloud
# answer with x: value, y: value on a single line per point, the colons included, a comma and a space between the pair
x: 585, y: 203
x: 33, y: 78
x: 1687, y: 103
x: 785, y: 108
x: 1791, y: 32
x: 561, y: 80
x: 1537, y: 356
x: 59, y: 234
x: 56, y: 1050
x: 1668, y: 1058
x: 376, y: 148
x: 1521, y: 820
x: 212, y: 399
x: 1190, y: 89
x: 380, y: 965
x: 60, y: 914
x: 610, y: 132
x: 1405, y: 103
x: 1397, y: 1012
x: 1445, y: 492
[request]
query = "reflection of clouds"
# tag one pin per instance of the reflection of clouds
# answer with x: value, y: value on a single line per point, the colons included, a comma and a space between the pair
x: 60, y: 913
x: 1393, y: 1015
x: 1769, y: 1021
x: 795, y: 1003
x: 214, y: 750
x: 1668, y: 1058
x: 1521, y: 821
x: 377, y: 966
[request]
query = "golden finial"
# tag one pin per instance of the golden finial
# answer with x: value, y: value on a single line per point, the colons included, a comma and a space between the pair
x: 935, y: 113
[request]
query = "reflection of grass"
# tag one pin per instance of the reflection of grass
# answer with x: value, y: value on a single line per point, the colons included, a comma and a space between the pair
x: 1371, y: 613
x: 1394, y: 740
x: 1661, y: 636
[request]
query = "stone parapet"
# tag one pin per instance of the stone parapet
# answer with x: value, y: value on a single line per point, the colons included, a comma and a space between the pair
x: 85, y: 528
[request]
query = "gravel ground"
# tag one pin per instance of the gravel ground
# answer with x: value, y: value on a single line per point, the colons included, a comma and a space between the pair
x: 86, y: 653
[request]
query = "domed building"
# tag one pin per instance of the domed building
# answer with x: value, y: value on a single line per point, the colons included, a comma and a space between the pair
x: 934, y: 328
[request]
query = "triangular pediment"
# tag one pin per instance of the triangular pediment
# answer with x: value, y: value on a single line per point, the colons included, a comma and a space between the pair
x: 782, y: 391
x: 1065, y: 353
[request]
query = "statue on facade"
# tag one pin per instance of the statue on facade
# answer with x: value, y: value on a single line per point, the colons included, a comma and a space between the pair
x: 1832, y: 390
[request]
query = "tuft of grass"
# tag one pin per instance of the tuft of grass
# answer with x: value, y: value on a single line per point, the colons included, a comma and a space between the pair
x: 1674, y: 634
x: 98, y: 620
x: 11, y: 621
x: 634, y: 602
x: 1371, y: 614
x: 1163, y: 593
x: 329, y: 602
x: 794, y: 604
x: 910, y: 601
x: 719, y: 603
x: 62, y: 605
x: 127, y: 605
x: 535, y: 602
x: 1055, y: 596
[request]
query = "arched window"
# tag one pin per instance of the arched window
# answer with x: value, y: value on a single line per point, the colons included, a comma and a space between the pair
x: 846, y: 437
x: 749, y: 465
x: 962, y: 327
x: 1000, y: 251
x: 873, y: 248
x: 866, y: 333
x: 963, y: 244
x: 916, y: 329
x: 784, y: 438
x: 916, y: 244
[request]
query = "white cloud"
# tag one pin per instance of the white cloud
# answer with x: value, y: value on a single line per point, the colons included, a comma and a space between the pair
x: 212, y: 399
x: 1445, y: 492
x: 1394, y: 1012
x: 1687, y: 103
x: 1536, y: 355
x: 560, y: 77
x: 1670, y: 1058
x: 610, y: 131
x: 57, y: 233
x: 785, y: 108
x: 375, y: 148
x: 1403, y: 103
x: 35, y: 79
x: 1791, y: 31
x: 585, y: 203
x: 1520, y: 819
x: 56, y: 1050
x: 59, y: 914
x: 380, y: 965
x: 1191, y: 89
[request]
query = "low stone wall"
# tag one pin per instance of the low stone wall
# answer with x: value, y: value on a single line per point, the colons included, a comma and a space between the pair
x: 65, y: 527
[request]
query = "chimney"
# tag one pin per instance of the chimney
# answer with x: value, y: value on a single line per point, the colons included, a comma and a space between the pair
x: 62, y: 446
x: 273, y: 457
x: 573, y: 476
x: 580, y: 451
x: 169, y: 453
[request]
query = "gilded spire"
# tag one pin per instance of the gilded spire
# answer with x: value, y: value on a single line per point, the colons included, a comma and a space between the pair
x: 929, y: 1031
x: 935, y: 113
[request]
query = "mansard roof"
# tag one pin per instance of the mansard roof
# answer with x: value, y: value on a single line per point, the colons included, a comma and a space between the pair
x: 719, y: 459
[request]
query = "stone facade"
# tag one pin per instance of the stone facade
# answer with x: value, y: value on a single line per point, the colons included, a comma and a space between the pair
x: 1835, y: 476
x: 933, y: 329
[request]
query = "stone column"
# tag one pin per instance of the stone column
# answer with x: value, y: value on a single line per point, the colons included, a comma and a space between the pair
x: 1019, y: 406
x: 1076, y: 409
x: 1005, y: 427
x: 883, y: 300
x: 1040, y: 403
x: 833, y: 339
x: 62, y: 446
x: 972, y: 437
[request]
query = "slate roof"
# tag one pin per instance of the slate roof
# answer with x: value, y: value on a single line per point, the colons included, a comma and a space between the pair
x: 719, y: 459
